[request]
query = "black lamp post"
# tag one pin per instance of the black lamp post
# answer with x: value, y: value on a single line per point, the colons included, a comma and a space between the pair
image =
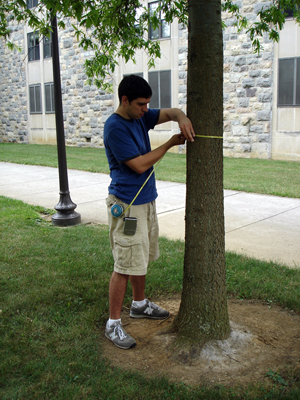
x: 66, y: 214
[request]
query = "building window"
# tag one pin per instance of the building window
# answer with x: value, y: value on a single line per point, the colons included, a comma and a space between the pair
x: 160, y: 82
x: 48, y: 46
x: 289, y: 82
x: 32, y: 3
x: 35, y: 99
x: 164, y: 28
x: 33, y: 46
x: 49, y: 98
x: 289, y: 12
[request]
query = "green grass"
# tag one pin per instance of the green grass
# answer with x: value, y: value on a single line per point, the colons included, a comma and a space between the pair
x: 54, y: 304
x: 86, y: 159
x: 248, y: 278
x: 279, y: 178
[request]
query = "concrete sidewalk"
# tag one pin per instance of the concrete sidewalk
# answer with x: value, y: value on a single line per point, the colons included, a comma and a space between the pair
x: 260, y: 226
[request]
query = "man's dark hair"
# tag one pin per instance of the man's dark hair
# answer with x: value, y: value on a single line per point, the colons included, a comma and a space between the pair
x: 133, y: 87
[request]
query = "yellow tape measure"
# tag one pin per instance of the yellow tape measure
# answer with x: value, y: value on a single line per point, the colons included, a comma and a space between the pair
x: 211, y: 137
x: 154, y: 166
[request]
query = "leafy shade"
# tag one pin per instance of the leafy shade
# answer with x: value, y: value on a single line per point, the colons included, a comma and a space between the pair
x: 108, y: 29
x: 105, y: 29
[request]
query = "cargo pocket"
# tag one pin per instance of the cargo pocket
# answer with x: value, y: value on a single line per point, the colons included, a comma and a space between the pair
x: 127, y: 251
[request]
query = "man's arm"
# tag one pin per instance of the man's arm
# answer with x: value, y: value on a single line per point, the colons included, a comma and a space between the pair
x: 143, y: 163
x: 175, y: 114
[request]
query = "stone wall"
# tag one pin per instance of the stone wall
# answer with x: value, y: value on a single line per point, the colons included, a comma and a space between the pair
x: 13, y: 99
x: 247, y: 91
x: 182, y: 65
x: 248, y: 88
x: 85, y: 107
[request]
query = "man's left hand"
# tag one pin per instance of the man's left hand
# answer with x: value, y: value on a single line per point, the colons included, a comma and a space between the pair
x: 186, y: 127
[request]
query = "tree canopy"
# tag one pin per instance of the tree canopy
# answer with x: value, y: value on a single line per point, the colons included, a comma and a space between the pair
x: 109, y: 29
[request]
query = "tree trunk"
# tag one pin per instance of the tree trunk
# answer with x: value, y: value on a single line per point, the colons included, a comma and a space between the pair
x: 203, y: 313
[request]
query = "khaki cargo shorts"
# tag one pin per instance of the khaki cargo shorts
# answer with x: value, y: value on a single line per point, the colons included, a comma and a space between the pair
x: 133, y: 253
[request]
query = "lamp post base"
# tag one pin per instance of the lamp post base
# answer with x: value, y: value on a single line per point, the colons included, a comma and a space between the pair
x: 66, y: 218
x: 66, y: 214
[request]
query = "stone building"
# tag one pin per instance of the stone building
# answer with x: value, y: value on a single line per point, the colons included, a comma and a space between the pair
x: 261, y: 103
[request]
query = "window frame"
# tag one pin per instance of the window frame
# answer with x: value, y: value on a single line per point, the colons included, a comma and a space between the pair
x: 295, y: 77
x: 35, y: 111
x: 52, y: 98
x: 32, y: 49
x: 160, y: 105
x: 161, y: 22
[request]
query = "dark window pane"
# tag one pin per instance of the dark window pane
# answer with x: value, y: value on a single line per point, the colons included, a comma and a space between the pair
x: 35, y: 99
x: 153, y: 82
x: 32, y: 3
x: 37, y: 53
x: 30, y: 39
x: 165, y: 89
x: 38, y: 98
x: 52, y: 98
x: 48, y: 46
x: 286, y: 82
x: 46, y: 50
x: 32, y: 99
x: 31, y: 54
x: 289, y: 12
x: 33, y: 46
x: 48, y: 98
x: 298, y: 83
x: 36, y: 38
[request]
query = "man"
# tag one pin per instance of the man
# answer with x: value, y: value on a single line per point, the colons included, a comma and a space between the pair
x: 131, y: 161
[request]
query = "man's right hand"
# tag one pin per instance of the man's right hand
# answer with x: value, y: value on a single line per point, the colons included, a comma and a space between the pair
x: 177, y: 140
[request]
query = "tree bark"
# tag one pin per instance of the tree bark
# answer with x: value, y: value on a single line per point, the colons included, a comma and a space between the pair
x: 203, y: 313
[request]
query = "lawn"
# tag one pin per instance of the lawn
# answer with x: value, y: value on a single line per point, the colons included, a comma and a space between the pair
x: 278, y: 178
x: 54, y: 304
x: 54, y: 289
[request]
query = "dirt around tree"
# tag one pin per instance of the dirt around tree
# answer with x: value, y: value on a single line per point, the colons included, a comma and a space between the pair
x: 263, y: 337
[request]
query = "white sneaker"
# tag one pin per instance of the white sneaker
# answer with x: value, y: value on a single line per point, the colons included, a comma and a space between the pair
x: 149, y: 310
x: 120, y: 338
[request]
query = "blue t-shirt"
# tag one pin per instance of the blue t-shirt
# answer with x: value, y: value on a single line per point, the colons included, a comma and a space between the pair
x: 125, y: 139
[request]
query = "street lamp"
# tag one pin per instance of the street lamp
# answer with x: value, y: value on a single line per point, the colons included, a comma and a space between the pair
x: 66, y: 214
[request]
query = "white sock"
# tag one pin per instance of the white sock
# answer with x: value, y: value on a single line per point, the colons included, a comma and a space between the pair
x: 139, y: 303
x: 113, y: 321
